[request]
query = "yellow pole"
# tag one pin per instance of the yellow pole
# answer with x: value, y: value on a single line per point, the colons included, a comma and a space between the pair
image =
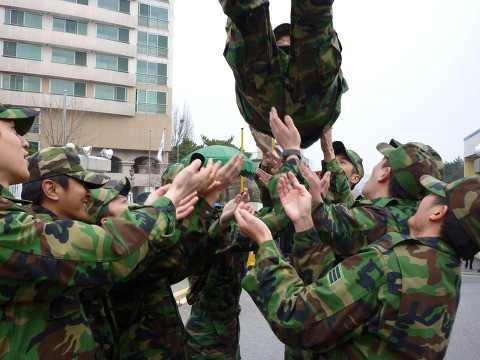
x: 242, y: 150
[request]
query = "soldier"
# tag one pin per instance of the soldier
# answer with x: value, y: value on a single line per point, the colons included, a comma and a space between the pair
x: 304, y: 81
x: 43, y: 260
x: 345, y: 167
x: 396, y: 298
x: 149, y: 324
x: 213, y: 327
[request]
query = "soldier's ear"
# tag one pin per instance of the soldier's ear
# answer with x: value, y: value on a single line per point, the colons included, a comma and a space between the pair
x: 439, y: 212
x: 49, y: 189
x: 385, y: 174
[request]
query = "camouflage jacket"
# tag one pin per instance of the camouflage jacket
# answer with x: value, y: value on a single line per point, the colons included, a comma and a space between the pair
x: 396, y: 298
x: 339, y: 184
x: 348, y: 229
x: 307, y: 86
x: 150, y: 326
x: 43, y: 265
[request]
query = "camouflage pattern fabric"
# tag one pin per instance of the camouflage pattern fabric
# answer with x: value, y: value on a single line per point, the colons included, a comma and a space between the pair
x: 408, y: 163
x: 171, y: 172
x: 213, y: 327
x: 150, y: 326
x: 307, y: 84
x: 55, y: 161
x: 102, y: 196
x: 22, y: 118
x: 339, y: 185
x: 463, y: 197
x: 355, y: 159
x: 397, y: 298
x: 43, y: 261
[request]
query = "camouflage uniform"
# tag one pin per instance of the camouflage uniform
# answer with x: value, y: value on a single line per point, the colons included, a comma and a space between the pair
x: 396, y: 298
x: 22, y: 118
x: 213, y: 327
x: 43, y: 265
x: 304, y: 81
x: 148, y: 324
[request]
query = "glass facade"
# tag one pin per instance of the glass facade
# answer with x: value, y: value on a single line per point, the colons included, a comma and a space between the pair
x: 108, y: 92
x: 71, y: 57
x: 152, y: 44
x: 153, y: 102
x: 122, y: 6
x: 21, y: 83
x: 22, y: 18
x: 69, y: 26
x: 73, y: 88
x: 22, y: 50
x: 110, y: 62
x: 151, y: 73
x: 152, y: 16
x: 112, y: 33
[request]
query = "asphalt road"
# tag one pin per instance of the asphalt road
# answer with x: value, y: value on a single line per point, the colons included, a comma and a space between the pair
x: 258, y: 342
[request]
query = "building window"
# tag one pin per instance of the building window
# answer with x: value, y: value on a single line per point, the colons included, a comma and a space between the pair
x: 151, y: 73
x: 82, y: 2
x: 152, y: 44
x: 107, y: 92
x: 73, y: 88
x: 22, y: 83
x: 110, y: 62
x: 35, y: 129
x: 71, y: 57
x: 22, y: 50
x: 112, y: 33
x: 22, y: 18
x: 153, y: 102
x: 122, y: 6
x: 34, y: 146
x: 152, y: 16
x: 70, y: 26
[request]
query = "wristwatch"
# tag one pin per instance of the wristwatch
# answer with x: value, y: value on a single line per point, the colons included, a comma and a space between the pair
x: 287, y: 153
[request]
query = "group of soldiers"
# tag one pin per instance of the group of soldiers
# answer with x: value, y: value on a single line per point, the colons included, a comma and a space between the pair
x: 84, y: 274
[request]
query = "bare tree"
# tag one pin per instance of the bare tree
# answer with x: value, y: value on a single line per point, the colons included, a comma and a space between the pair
x: 182, y: 125
x: 52, y: 121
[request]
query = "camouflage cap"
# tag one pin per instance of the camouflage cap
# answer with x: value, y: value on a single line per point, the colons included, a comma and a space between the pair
x: 463, y: 197
x: 22, y: 118
x: 102, y: 196
x: 357, y: 161
x: 55, y: 161
x: 435, y: 155
x: 408, y: 163
x: 281, y: 30
x: 171, y: 172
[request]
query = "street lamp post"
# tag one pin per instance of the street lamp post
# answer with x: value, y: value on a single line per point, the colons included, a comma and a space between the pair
x: 178, y: 140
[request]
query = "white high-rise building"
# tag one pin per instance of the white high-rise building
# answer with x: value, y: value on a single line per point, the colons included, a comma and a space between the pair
x: 113, y: 58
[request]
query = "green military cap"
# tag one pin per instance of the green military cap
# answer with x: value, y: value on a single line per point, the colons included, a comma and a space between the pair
x: 435, y: 155
x: 463, y: 197
x: 408, y: 163
x: 171, y: 172
x: 22, y: 118
x: 281, y: 30
x: 102, y: 196
x: 357, y: 161
x: 53, y: 161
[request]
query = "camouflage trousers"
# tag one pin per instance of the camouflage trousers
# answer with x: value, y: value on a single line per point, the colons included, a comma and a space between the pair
x: 212, y: 337
x: 306, y: 84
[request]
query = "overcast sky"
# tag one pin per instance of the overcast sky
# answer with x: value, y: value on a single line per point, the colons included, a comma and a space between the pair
x: 413, y: 68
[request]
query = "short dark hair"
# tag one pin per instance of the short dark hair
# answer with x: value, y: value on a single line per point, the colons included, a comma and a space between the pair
x: 33, y: 192
x: 395, y: 189
x: 104, y: 212
x: 453, y: 233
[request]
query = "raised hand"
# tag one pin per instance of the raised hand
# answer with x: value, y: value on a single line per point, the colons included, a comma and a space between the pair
x: 158, y: 193
x: 296, y: 201
x: 186, y: 206
x: 318, y: 188
x: 251, y: 226
x: 263, y: 176
x: 228, y: 212
x: 327, y: 146
x: 286, y: 134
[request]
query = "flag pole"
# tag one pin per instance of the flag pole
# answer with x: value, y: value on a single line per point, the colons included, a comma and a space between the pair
x: 242, y: 150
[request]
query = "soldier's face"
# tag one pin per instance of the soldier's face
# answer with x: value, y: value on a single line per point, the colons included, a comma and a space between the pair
x: 283, y: 40
x: 116, y: 206
x: 13, y: 155
x: 72, y: 202
x: 346, y: 165
x: 370, y: 190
